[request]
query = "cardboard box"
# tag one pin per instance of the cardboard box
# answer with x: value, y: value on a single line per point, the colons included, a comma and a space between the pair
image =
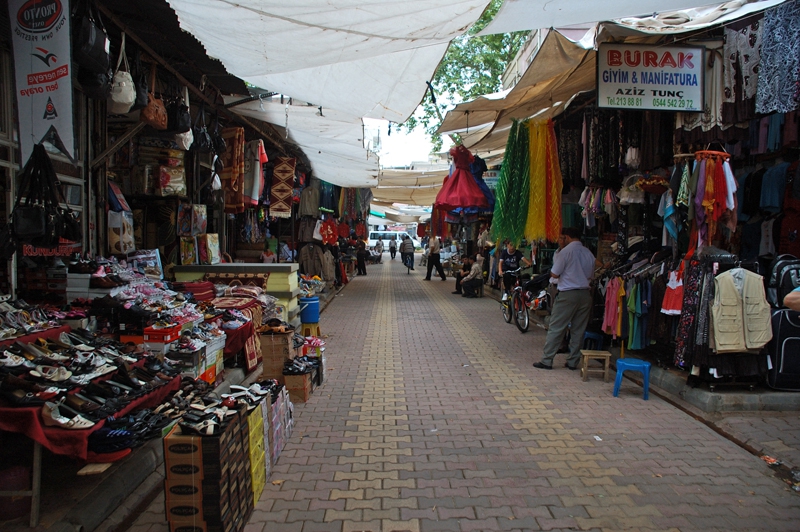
x: 199, y: 456
x: 278, y: 346
x: 299, y: 387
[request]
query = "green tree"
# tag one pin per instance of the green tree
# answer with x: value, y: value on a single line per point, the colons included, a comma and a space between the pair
x: 472, y: 66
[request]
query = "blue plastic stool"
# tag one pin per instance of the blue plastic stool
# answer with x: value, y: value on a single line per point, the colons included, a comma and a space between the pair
x: 633, y: 364
x: 593, y: 340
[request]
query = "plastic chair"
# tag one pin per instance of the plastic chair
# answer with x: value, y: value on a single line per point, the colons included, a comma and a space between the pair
x: 633, y: 364
x: 593, y: 340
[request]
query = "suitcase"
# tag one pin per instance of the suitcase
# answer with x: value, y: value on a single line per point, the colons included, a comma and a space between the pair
x: 784, y: 351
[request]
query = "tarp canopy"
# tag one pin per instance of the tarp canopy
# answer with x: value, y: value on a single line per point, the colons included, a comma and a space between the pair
x: 562, y: 69
x: 521, y: 15
x: 368, y: 58
x: 332, y: 140
x: 409, y: 195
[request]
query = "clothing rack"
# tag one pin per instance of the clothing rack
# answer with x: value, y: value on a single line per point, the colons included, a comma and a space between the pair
x: 711, y: 154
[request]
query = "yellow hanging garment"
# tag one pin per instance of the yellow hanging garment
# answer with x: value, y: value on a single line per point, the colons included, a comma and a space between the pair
x: 535, y: 225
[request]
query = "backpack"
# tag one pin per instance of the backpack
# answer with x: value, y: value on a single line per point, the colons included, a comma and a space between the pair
x: 783, y: 278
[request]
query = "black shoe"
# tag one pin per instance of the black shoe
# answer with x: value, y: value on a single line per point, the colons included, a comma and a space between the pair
x: 566, y: 365
x: 444, y: 278
x: 470, y: 296
x: 456, y: 292
x: 425, y: 279
x: 539, y: 365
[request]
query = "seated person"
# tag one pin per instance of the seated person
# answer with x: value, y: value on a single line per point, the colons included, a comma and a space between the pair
x: 268, y: 257
x: 465, y: 267
x: 473, y: 280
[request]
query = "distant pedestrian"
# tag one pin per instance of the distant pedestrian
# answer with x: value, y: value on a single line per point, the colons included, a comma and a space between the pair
x: 379, y: 249
x: 392, y: 247
x: 434, y: 259
x: 361, y: 259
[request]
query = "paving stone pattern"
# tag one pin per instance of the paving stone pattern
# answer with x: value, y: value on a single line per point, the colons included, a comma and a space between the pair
x: 433, y: 419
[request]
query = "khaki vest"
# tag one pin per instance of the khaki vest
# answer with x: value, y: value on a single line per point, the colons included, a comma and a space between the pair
x: 740, y: 314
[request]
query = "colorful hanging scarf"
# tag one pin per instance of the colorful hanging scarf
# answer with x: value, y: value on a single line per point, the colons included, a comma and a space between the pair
x: 511, y: 198
x: 280, y: 203
x: 535, y: 226
x: 232, y: 175
x: 554, y: 186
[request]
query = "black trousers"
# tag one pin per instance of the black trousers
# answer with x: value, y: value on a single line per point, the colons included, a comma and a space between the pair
x: 433, y: 261
x: 392, y: 252
x: 361, y: 264
x: 470, y: 288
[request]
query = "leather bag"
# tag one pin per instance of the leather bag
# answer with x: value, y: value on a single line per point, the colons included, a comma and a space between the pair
x: 178, y: 118
x: 154, y: 114
x: 217, y: 138
x: 91, y: 46
x: 141, y: 85
x: 123, y: 91
x: 202, y: 138
x: 96, y: 85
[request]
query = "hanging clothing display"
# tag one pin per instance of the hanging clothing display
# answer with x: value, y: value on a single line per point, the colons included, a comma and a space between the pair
x: 232, y: 175
x: 711, y: 117
x: 741, y: 59
x: 544, y: 206
x: 309, y: 200
x: 280, y: 204
x: 740, y: 312
x: 512, y: 193
x: 779, y: 70
x: 460, y: 188
x: 254, y: 158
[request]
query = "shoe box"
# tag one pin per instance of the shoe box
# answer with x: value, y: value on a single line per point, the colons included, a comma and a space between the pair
x: 276, y: 349
x: 300, y: 386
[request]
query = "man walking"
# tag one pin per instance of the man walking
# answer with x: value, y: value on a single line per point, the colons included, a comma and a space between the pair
x: 573, y: 267
x: 392, y: 247
x: 433, y: 259
x: 379, y: 249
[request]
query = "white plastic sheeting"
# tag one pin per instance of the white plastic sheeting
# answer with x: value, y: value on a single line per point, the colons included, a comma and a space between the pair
x: 368, y: 58
x: 520, y: 15
x: 332, y: 141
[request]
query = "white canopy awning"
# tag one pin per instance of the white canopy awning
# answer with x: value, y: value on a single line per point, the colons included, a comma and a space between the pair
x: 366, y: 58
x: 332, y: 141
x: 521, y: 15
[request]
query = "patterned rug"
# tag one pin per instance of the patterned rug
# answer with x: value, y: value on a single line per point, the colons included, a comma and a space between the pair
x: 280, y: 201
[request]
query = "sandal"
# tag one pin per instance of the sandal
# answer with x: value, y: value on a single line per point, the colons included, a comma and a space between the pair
x: 52, y: 417
x: 52, y: 373
x: 207, y: 427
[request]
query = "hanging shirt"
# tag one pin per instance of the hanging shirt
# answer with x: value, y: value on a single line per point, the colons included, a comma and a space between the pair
x: 254, y: 157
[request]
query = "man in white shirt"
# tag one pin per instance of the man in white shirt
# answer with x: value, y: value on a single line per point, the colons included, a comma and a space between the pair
x: 573, y: 267
x: 434, y: 259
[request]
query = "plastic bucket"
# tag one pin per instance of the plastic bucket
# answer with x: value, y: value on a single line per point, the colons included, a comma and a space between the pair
x: 309, y: 312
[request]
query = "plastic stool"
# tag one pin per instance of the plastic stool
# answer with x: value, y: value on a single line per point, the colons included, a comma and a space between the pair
x: 593, y: 340
x: 312, y: 329
x: 633, y: 364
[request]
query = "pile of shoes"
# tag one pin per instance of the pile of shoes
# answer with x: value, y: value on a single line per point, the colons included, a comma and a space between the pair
x: 300, y: 365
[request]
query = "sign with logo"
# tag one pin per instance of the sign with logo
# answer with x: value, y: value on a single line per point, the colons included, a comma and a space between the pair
x: 662, y: 78
x: 491, y: 178
x: 42, y: 62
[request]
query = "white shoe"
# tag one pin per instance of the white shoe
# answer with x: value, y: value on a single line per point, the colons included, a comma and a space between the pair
x: 505, y: 297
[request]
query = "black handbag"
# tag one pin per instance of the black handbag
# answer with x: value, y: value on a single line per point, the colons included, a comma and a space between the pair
x: 28, y: 219
x: 90, y: 45
x: 202, y: 138
x: 141, y: 84
x: 217, y: 138
x: 178, y: 118
x: 95, y: 85
x: 29, y: 222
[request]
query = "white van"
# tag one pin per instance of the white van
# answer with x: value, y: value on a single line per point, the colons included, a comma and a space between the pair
x: 386, y: 236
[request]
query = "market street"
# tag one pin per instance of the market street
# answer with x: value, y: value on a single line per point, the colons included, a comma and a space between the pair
x: 432, y: 418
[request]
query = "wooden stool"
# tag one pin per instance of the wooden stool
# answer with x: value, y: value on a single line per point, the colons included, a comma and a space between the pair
x: 587, y: 355
x: 312, y: 329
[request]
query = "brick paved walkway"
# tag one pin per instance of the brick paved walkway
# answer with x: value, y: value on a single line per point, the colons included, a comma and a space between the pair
x: 432, y: 418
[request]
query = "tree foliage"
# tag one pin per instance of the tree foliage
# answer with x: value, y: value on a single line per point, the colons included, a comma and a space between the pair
x: 472, y: 66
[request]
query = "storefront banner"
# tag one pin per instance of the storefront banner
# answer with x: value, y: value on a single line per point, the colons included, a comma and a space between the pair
x: 662, y: 78
x: 491, y: 178
x: 42, y: 63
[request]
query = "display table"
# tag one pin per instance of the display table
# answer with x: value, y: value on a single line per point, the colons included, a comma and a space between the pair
x: 48, y: 334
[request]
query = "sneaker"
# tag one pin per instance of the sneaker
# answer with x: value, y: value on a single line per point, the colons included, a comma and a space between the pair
x: 505, y: 297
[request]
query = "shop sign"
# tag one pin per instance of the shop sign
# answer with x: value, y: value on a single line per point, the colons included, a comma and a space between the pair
x: 661, y: 78
x: 65, y: 248
x: 491, y: 177
x: 42, y: 62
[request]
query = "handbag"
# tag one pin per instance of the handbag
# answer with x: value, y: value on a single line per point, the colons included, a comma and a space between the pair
x: 140, y: 85
x: 217, y: 138
x: 178, y: 118
x: 96, y: 85
x: 154, y: 113
x: 90, y: 46
x: 202, y: 138
x: 123, y: 92
x: 39, y: 221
